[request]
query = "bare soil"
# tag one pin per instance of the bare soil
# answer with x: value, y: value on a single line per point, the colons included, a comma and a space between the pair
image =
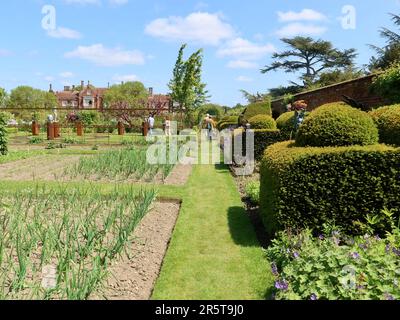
x: 52, y: 168
x: 133, y: 277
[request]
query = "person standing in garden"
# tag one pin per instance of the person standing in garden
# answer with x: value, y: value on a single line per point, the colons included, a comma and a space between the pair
x: 209, y: 126
x: 167, y: 126
x: 151, y: 122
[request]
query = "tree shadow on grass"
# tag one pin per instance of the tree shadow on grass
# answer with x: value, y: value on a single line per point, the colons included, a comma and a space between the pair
x: 241, y: 229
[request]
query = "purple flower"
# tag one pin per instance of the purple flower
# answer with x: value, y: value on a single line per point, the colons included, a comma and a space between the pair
x: 274, y: 269
x: 363, y: 246
x: 360, y: 287
x: 396, y: 251
x: 296, y: 255
x: 336, y: 240
x: 321, y: 237
x: 281, y: 285
x: 387, y: 249
x: 389, y: 296
x: 378, y: 238
x: 313, y: 297
x: 355, y: 255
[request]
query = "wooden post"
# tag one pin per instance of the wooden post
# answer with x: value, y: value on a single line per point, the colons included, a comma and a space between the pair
x: 145, y: 129
x: 56, y: 129
x: 121, y: 129
x: 79, y: 129
x: 35, y: 128
x: 50, y: 131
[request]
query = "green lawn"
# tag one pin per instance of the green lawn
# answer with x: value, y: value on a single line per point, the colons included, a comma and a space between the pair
x: 214, y: 252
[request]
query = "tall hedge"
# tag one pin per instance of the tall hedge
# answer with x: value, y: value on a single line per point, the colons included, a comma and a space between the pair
x: 3, y: 135
x: 307, y: 187
x: 262, y: 140
x: 262, y: 122
x: 257, y: 108
x: 337, y: 125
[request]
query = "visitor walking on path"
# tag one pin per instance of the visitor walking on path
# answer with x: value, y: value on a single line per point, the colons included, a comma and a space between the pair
x: 209, y: 126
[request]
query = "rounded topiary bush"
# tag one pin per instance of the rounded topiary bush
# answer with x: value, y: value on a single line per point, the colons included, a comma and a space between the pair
x: 254, y: 109
x: 262, y: 121
x: 337, y: 125
x: 388, y: 121
x: 285, y: 124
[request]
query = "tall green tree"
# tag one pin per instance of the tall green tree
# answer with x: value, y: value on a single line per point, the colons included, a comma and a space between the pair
x: 390, y: 53
x: 3, y: 97
x: 27, y: 97
x: 186, y: 86
x: 126, y: 97
x: 311, y: 58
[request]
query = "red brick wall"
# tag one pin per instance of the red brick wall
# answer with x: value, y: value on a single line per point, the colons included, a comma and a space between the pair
x: 358, y: 89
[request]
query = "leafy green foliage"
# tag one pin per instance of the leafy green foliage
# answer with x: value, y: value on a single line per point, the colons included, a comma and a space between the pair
x: 286, y: 124
x: 253, y: 191
x: 3, y: 97
x: 214, y: 110
x: 337, y: 125
x: 262, y: 121
x: 257, y: 108
x: 307, y: 187
x: 35, y: 140
x: 228, y: 121
x: 3, y: 135
x: 387, y: 84
x: 262, y: 140
x: 311, y: 57
x: 388, y: 121
x: 186, y: 86
x: 336, y: 267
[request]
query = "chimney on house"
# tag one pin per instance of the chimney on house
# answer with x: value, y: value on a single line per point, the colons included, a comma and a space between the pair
x: 82, y: 84
x: 88, y: 84
x: 67, y: 88
x: 151, y: 91
x: 108, y: 85
x: 122, y: 82
x: 51, y: 88
x: 73, y: 87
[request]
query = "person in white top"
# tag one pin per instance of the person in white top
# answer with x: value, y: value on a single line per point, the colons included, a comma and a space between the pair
x: 151, y: 122
x: 167, y: 126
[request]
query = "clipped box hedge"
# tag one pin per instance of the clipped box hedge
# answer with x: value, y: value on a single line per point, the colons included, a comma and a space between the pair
x: 307, y: 187
x: 263, y: 138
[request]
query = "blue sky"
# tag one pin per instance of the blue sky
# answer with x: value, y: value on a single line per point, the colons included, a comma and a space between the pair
x: 113, y: 40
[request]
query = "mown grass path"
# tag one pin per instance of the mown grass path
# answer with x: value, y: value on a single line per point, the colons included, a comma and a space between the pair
x: 214, y: 252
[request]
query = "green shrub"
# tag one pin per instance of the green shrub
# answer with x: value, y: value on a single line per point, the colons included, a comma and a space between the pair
x: 262, y: 140
x: 262, y: 121
x: 388, y: 121
x: 335, y: 267
x: 70, y: 140
x: 253, y: 191
x: 36, y: 140
x: 226, y: 122
x: 337, y: 125
x: 3, y: 135
x: 257, y: 108
x: 387, y: 84
x: 307, y: 187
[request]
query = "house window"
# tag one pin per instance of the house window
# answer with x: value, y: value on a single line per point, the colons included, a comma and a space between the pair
x: 88, y: 102
x: 64, y: 103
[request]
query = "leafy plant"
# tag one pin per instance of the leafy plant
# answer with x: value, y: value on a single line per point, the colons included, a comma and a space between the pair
x: 387, y: 84
x: 334, y: 266
x: 253, y: 191
x: 36, y: 140
x: 3, y: 135
x: 388, y: 121
x: 262, y: 121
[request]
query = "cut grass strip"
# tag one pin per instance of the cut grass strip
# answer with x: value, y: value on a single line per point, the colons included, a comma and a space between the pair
x: 214, y: 253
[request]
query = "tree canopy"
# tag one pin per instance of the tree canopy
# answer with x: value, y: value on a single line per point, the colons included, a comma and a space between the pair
x: 389, y: 54
x: 186, y: 86
x: 311, y: 58
x: 129, y: 95
x: 3, y: 97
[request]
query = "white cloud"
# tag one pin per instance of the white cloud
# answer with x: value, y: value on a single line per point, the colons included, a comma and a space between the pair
x: 125, y: 78
x: 118, y: 2
x: 82, y: 2
x: 199, y: 27
x: 245, y: 50
x: 64, y: 33
x: 295, y: 29
x: 49, y: 78
x: 108, y: 57
x: 304, y: 15
x: 66, y: 74
x: 242, y: 64
x: 244, y: 79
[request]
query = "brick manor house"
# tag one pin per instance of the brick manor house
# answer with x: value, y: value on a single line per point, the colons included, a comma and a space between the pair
x: 88, y: 96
